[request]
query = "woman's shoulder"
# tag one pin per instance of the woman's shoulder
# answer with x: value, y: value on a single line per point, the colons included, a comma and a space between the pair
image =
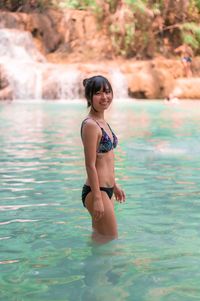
x: 89, y: 124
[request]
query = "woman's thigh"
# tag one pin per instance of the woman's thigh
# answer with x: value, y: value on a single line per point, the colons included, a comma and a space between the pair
x: 107, y: 225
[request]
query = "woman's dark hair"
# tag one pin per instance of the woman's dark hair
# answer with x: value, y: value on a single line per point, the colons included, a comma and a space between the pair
x: 95, y: 84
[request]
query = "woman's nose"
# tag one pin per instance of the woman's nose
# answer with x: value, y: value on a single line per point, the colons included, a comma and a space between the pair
x: 103, y: 94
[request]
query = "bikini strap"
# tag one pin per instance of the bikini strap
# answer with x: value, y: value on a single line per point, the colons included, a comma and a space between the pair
x: 109, y: 127
x: 83, y: 122
x: 96, y: 122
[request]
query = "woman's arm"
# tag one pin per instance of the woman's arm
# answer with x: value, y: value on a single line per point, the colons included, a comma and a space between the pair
x: 90, y: 137
x: 118, y: 192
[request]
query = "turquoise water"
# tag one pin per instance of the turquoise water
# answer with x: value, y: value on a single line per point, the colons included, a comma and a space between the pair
x: 45, y: 248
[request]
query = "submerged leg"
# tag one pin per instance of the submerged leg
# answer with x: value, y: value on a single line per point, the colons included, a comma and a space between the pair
x: 105, y: 229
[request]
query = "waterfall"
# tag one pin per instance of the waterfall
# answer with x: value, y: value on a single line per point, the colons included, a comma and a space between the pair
x: 62, y: 82
x: 24, y: 78
x: 28, y: 73
x: 18, y: 45
x: 22, y: 63
x: 119, y: 84
x: 70, y: 83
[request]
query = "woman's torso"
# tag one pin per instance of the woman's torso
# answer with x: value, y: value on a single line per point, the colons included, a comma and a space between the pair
x: 105, y: 169
x: 105, y: 156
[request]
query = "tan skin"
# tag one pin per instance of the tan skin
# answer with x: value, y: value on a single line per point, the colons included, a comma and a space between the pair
x: 100, y: 171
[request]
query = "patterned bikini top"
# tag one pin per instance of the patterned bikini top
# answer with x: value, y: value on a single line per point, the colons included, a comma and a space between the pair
x: 105, y: 144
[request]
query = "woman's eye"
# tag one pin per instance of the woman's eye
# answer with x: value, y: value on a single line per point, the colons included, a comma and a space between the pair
x: 101, y: 92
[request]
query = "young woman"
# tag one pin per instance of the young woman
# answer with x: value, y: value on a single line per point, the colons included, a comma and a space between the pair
x: 99, y: 142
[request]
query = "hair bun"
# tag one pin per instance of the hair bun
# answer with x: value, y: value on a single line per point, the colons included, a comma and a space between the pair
x: 85, y: 81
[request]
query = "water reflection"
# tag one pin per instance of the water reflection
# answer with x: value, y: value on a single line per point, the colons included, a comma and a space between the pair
x: 103, y: 274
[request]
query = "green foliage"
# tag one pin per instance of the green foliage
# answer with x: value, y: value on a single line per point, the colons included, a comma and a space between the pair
x: 190, y: 40
x: 15, y: 5
x: 197, y: 3
x: 138, y: 33
x: 43, y: 4
x: 192, y: 27
x: 11, y: 4
x: 191, y: 34
x: 75, y: 4
x: 129, y: 37
x: 137, y: 5
x: 172, y: 15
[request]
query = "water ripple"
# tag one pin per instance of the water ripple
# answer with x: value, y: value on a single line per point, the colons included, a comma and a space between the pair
x: 18, y: 221
x: 9, y: 261
x: 16, y: 207
x: 46, y: 231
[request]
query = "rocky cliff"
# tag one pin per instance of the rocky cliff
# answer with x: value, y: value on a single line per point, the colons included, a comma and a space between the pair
x: 62, y: 44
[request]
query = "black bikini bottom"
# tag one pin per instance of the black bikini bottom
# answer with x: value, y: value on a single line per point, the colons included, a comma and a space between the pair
x: 86, y: 189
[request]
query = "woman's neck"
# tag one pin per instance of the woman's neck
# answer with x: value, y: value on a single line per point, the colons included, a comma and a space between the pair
x: 96, y: 115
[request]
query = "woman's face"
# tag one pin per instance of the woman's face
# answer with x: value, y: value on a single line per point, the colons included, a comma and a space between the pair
x: 102, y: 99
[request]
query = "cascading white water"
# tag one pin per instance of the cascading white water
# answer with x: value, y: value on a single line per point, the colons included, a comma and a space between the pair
x: 22, y: 63
x: 119, y: 83
x: 18, y: 45
x: 62, y: 82
x: 70, y: 83
x: 25, y: 79
x: 29, y: 75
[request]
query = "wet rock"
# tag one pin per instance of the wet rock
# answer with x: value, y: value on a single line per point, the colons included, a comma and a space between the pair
x: 187, y: 88
x: 6, y: 94
x: 147, y: 81
x: 73, y: 38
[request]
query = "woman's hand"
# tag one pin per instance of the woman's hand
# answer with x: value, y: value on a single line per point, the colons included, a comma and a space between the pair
x: 98, y: 210
x: 119, y: 194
